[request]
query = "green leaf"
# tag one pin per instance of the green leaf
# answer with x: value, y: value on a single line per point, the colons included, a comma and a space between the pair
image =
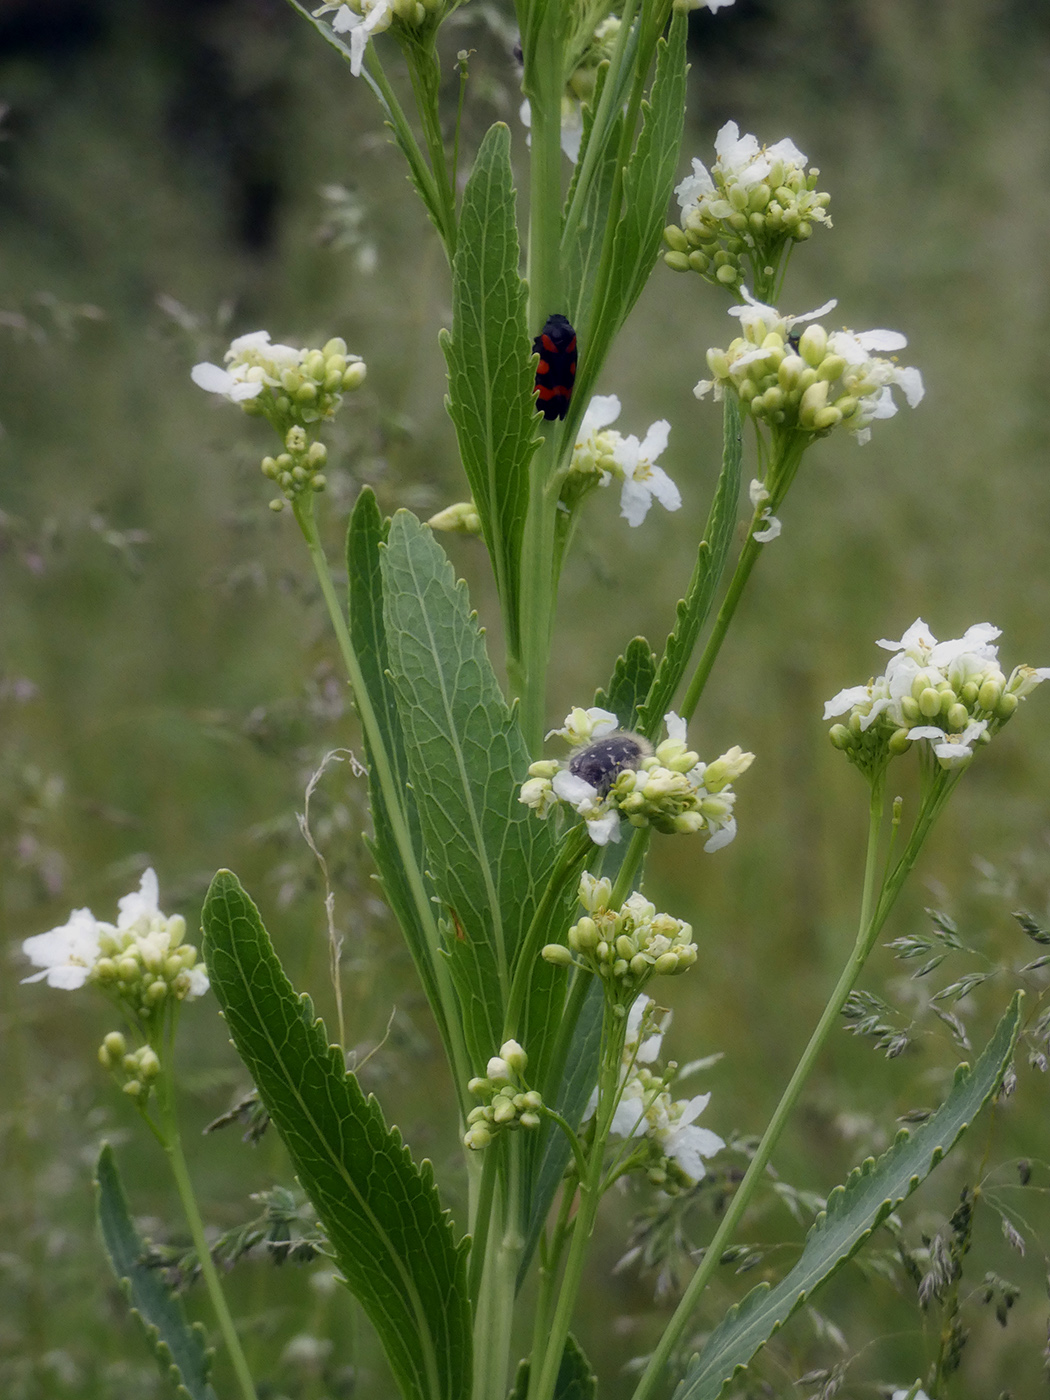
x: 575, y: 1380
x: 854, y: 1211
x: 366, y: 533
x: 491, y: 375
x: 178, y: 1347
x: 647, y: 185
x: 632, y: 679
x: 711, y: 559
x: 581, y: 252
x: 380, y: 1210
x: 488, y: 856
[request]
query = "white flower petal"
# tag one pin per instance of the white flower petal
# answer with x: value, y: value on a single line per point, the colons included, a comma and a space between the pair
x: 722, y: 836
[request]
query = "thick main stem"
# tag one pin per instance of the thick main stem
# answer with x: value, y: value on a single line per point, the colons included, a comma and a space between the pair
x: 867, y: 931
x: 493, y: 1320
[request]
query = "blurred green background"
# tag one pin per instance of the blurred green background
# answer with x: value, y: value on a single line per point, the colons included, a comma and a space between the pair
x: 175, y: 174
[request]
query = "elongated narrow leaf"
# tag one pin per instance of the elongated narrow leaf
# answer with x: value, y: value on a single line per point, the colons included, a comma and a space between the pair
x: 366, y: 533
x: 178, y: 1347
x: 648, y: 183
x: 711, y: 559
x: 576, y: 1380
x: 488, y: 856
x: 490, y: 367
x: 380, y: 1210
x: 872, y: 1192
x: 582, y: 252
x: 631, y: 682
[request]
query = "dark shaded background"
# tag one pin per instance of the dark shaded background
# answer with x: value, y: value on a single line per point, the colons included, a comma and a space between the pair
x: 171, y: 175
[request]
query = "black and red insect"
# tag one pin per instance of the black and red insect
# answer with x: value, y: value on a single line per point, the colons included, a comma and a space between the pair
x: 556, y: 371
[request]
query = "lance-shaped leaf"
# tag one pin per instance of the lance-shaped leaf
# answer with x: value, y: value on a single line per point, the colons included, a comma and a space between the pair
x: 366, y: 533
x: 179, y: 1348
x: 381, y: 1212
x: 647, y: 185
x: 487, y: 855
x: 872, y: 1192
x: 631, y: 682
x: 711, y: 559
x: 491, y: 376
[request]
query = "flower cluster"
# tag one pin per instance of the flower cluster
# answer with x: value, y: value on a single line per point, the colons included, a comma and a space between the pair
x: 602, y: 454
x: 142, y: 960
x: 677, y: 1148
x: 363, y: 18
x: 509, y: 1103
x: 810, y: 381
x: 952, y: 694
x: 625, y: 946
x: 294, y: 390
x: 752, y: 206
x: 613, y: 774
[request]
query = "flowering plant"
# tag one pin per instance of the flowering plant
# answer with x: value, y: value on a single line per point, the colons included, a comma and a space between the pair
x: 516, y: 877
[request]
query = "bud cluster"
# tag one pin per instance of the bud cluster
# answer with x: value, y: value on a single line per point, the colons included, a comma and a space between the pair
x: 625, y: 946
x: 614, y: 774
x: 811, y: 381
x: 142, y: 960
x: 740, y: 218
x: 952, y: 694
x: 293, y: 390
x: 134, y: 1070
x: 508, y: 1102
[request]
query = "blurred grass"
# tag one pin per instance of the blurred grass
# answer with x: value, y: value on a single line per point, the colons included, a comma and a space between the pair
x: 167, y: 683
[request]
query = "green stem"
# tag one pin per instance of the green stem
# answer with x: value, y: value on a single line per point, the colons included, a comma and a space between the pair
x: 426, y: 77
x: 480, y: 1220
x: 550, y: 1262
x: 629, y: 866
x: 303, y: 508
x: 528, y: 671
x: 867, y: 931
x: 781, y: 475
x: 168, y: 1132
x: 494, y: 1318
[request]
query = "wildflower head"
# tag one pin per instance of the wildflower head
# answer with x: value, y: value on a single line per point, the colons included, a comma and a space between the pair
x: 508, y: 1102
x: 672, y: 1149
x: 740, y: 219
x: 141, y: 961
x: 810, y: 381
x: 294, y: 390
x: 360, y: 19
x: 614, y: 774
x: 626, y: 947
x: 602, y: 454
x: 952, y: 695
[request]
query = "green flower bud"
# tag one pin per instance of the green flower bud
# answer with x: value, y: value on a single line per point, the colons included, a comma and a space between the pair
x: 831, y: 366
x: 277, y: 505
x: 149, y: 1064
x: 335, y: 346
x: 477, y: 1138
x: 898, y: 742
x: 156, y: 992
x: 1006, y: 706
x: 989, y: 695
x: 840, y: 737
x: 677, y: 262
x: 318, y: 482
x: 727, y: 275
x: 132, y: 1088
x: 557, y: 954
x: 813, y: 344
x: 530, y: 1120
x: 826, y: 418
x: 306, y: 393
x: 355, y: 375
x: 675, y: 239
x: 666, y: 964
x: 699, y: 261
x: 958, y: 717
x: 129, y: 969
x: 930, y: 702
x: 910, y: 708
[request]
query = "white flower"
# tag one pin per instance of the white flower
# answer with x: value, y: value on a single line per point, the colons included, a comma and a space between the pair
x: 67, y: 953
x: 740, y: 160
x: 643, y: 480
x: 686, y: 1144
x: 377, y: 15
x: 952, y: 750
x: 253, y: 364
x: 601, y: 449
x: 759, y: 495
x: 584, y: 726
x: 853, y: 384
